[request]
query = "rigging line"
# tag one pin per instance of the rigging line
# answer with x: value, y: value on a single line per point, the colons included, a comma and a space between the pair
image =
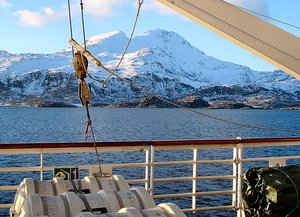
x: 271, y: 18
x: 94, y: 78
x: 192, y: 110
x: 82, y: 22
x: 89, y: 123
x: 203, y: 114
x: 140, y: 2
x: 70, y: 24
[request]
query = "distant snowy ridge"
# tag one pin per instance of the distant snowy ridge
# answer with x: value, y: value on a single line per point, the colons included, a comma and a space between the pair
x: 4, y: 54
x: 160, y: 61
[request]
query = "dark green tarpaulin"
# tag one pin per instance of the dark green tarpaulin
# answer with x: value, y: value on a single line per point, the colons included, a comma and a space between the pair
x: 272, y: 191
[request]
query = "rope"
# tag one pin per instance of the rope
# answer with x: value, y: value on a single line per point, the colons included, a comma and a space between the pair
x: 265, y: 16
x: 94, y: 78
x: 112, y: 72
x: 82, y: 22
x: 70, y: 24
x: 89, y: 124
x: 203, y: 114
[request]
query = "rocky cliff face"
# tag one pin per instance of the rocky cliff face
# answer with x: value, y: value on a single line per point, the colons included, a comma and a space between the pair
x: 160, y: 61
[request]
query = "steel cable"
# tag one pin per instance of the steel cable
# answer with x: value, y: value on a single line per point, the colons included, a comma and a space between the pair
x: 203, y: 114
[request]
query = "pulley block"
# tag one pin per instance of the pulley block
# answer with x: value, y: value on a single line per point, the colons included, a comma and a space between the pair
x: 80, y: 64
x: 84, y: 92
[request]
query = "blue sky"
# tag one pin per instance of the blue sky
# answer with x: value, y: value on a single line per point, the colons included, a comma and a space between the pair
x: 41, y: 26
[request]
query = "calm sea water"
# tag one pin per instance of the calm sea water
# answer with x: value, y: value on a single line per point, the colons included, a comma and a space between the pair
x: 26, y: 124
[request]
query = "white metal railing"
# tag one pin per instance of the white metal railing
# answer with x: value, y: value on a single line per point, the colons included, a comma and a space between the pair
x: 150, y: 151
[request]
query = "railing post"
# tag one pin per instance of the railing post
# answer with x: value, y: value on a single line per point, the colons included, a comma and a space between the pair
x: 41, y: 166
x: 240, y: 180
x: 147, y: 168
x: 194, y: 187
x: 152, y: 160
x: 235, y: 175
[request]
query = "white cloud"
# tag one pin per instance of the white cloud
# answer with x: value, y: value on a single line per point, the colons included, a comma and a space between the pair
x: 258, y: 6
x: 4, y: 4
x: 96, y: 8
x: 102, y: 8
x: 157, y: 7
x: 38, y: 18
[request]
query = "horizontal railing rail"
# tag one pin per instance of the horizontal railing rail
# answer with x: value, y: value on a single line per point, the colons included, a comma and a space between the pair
x: 151, y: 164
x: 249, y: 142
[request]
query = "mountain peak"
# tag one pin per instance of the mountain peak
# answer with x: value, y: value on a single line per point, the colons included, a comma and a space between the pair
x: 112, y: 43
x: 161, y: 34
x: 158, y: 32
x: 99, y: 39
x: 160, y: 38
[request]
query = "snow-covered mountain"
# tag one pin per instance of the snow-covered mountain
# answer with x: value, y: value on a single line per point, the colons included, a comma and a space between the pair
x: 160, y: 61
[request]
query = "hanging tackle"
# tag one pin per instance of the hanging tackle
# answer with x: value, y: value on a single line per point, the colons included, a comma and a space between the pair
x: 80, y: 64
